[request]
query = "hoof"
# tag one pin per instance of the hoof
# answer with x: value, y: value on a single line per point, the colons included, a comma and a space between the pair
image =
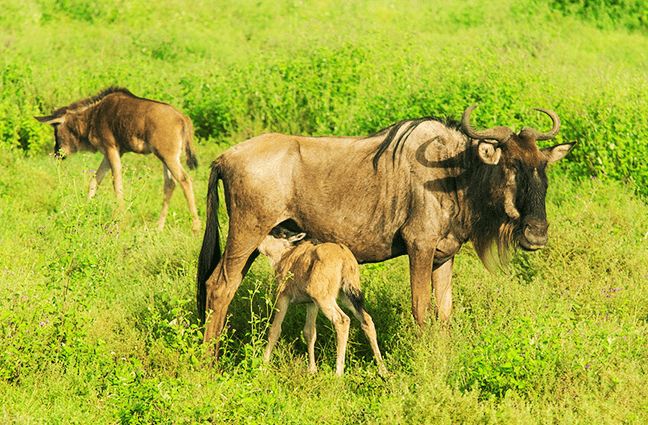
x: 196, y: 227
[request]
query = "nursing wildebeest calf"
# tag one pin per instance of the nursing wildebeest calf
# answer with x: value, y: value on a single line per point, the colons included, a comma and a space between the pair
x: 317, y: 274
x: 420, y: 187
x: 115, y: 122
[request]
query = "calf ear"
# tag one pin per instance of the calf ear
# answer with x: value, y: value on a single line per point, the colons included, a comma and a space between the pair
x: 50, y: 119
x: 558, y: 152
x: 297, y: 237
x: 488, y: 153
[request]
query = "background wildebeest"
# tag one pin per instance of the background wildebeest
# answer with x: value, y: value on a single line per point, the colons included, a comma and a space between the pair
x: 115, y: 122
x: 420, y: 187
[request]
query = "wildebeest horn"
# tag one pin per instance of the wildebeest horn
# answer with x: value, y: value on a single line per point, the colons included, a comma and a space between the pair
x: 556, y: 125
x: 499, y: 134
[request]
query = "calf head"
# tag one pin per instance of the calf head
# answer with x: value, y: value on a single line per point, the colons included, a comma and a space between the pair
x: 278, y: 243
x: 69, y: 132
x: 511, y: 181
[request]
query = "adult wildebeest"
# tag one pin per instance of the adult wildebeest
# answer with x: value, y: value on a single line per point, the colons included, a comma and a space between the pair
x: 115, y: 122
x: 318, y: 274
x: 420, y: 187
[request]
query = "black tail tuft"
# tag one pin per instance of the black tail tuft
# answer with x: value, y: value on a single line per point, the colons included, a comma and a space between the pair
x: 192, y: 161
x: 187, y: 129
x: 356, y: 297
x: 210, y: 253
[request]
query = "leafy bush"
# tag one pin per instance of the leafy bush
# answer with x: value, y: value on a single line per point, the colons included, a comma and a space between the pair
x: 238, y: 77
x: 631, y: 14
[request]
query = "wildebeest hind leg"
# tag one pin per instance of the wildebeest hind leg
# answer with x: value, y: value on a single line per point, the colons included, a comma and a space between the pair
x: 169, y: 186
x: 114, y: 159
x: 310, y: 334
x: 98, y: 177
x: 240, y: 252
x: 341, y: 324
x: 185, y: 183
x: 369, y: 329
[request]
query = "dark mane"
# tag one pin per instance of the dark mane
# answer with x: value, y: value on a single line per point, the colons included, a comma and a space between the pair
x: 399, y: 139
x: 492, y: 232
x: 91, y: 100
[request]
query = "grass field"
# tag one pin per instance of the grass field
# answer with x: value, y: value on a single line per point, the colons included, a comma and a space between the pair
x: 97, y: 315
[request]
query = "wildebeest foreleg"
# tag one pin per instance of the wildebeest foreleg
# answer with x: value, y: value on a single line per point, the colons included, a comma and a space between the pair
x: 169, y: 186
x: 98, y: 177
x: 275, y: 330
x: 442, y: 282
x: 420, y: 259
x: 185, y: 183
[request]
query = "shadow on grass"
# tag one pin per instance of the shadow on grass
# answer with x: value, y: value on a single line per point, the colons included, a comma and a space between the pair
x: 172, y: 320
x: 252, y: 310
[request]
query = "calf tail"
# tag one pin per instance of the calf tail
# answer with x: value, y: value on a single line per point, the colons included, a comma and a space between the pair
x: 351, y: 285
x: 187, y: 136
x: 210, y: 252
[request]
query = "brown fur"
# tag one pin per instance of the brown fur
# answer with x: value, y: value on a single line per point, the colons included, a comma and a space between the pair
x: 318, y: 274
x: 434, y: 190
x: 116, y: 121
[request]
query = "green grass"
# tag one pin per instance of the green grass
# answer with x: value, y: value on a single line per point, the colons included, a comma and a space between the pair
x: 97, y: 315
x: 98, y: 321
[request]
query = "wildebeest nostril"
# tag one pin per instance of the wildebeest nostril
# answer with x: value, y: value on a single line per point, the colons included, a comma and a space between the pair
x: 537, y: 227
x: 536, y: 232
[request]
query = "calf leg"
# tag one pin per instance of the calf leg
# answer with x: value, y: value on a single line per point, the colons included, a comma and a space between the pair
x: 169, y: 186
x: 114, y: 159
x: 185, y: 182
x: 341, y: 323
x: 97, y: 177
x: 275, y: 330
x: 310, y: 334
x: 367, y: 325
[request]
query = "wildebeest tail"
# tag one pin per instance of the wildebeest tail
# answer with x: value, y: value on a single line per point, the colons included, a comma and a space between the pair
x: 351, y: 286
x: 210, y: 252
x: 187, y: 135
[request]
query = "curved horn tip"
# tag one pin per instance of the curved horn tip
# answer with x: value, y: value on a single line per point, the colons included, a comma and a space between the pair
x: 555, y: 127
x: 499, y: 134
x: 467, y: 112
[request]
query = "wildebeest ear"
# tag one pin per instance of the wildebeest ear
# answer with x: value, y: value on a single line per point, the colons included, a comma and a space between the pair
x: 488, y: 153
x: 558, y: 152
x: 297, y: 237
x: 50, y: 119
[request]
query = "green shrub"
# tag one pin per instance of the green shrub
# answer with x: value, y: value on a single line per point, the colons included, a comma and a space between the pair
x: 631, y: 14
x: 253, y: 67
